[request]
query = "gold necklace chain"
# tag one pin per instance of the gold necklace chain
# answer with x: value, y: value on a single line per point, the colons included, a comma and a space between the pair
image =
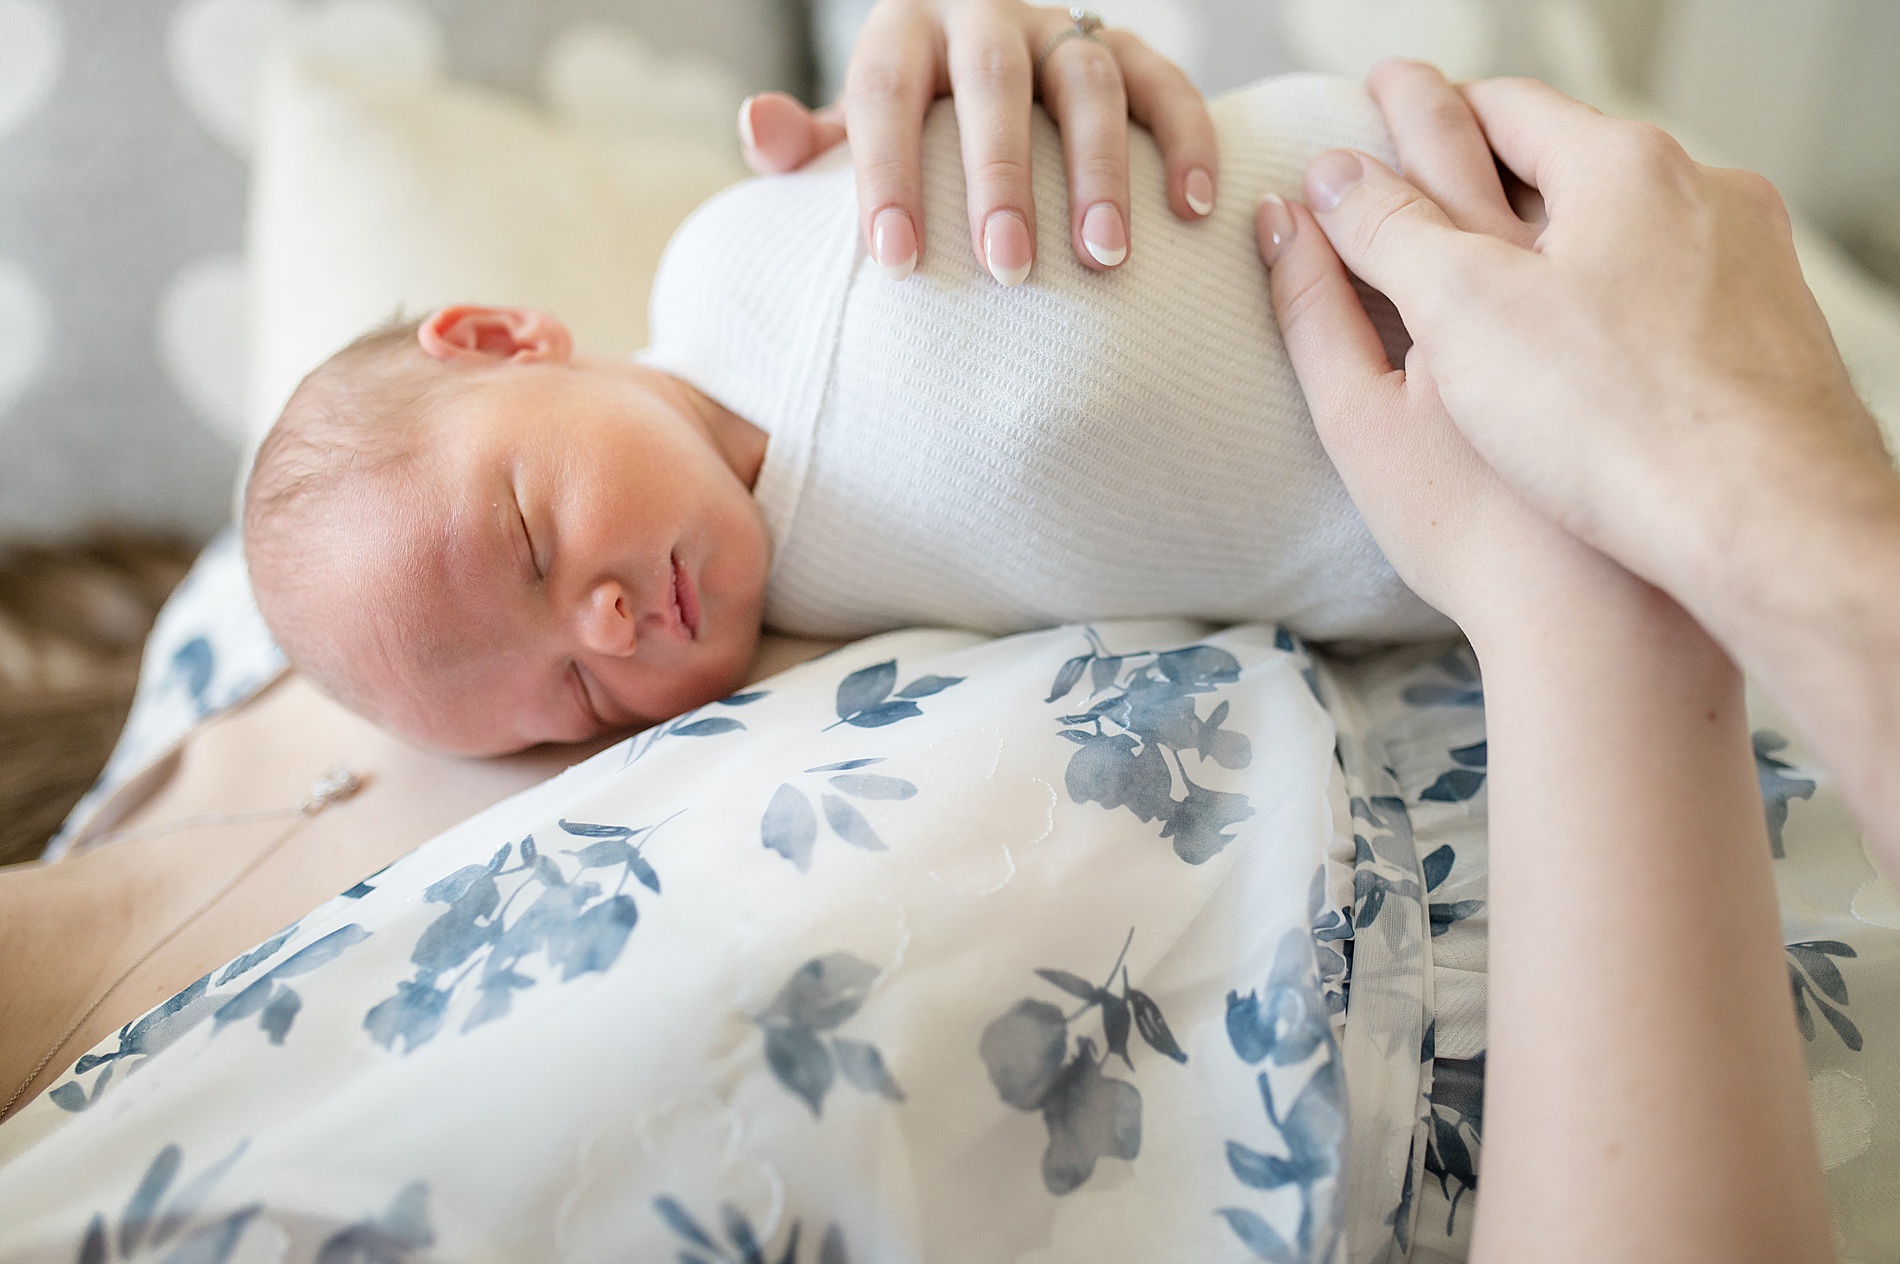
x: 334, y: 786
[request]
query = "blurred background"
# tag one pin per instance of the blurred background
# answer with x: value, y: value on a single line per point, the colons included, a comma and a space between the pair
x: 155, y: 301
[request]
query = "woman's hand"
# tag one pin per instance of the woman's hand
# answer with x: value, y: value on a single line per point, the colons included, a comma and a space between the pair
x: 1643, y: 363
x: 985, y: 54
x: 1647, y: 367
x: 1461, y: 536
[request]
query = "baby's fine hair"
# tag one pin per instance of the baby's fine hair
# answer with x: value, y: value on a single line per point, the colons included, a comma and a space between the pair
x: 356, y: 415
x: 353, y: 414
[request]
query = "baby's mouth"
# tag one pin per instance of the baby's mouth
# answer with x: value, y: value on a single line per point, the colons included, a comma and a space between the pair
x: 685, y: 600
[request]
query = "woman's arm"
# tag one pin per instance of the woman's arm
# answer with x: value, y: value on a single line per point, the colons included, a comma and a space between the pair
x: 990, y: 55
x: 1645, y: 1095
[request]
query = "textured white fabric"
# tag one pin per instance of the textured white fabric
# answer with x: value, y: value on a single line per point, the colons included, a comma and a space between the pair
x: 945, y: 450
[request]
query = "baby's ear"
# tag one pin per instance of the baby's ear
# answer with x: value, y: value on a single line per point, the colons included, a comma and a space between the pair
x: 494, y: 333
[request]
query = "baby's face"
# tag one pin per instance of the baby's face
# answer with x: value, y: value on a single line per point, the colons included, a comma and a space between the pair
x: 572, y: 554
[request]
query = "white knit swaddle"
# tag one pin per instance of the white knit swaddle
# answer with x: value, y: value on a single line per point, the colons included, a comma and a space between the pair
x: 1085, y: 446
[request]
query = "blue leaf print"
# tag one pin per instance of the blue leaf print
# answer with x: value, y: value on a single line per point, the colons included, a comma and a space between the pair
x: 1461, y: 688
x: 1813, y: 976
x: 598, y: 936
x: 744, y: 699
x: 681, y: 1222
x: 862, y: 696
x: 1152, y: 1026
x: 790, y: 827
x: 1258, y: 1236
x: 1248, y: 1031
x: 1068, y: 676
x: 800, y: 1061
x: 1456, y: 1124
x: 391, y: 1238
x: 214, y: 1243
x: 1444, y: 916
x: 741, y: 1234
x: 149, y: 1222
x: 1074, y: 984
x: 1199, y: 822
x: 1087, y: 1114
x: 192, y: 666
x: 1090, y: 1117
x: 1437, y: 866
x: 863, y: 1066
x: 1472, y: 756
x: 185, y: 1204
x: 924, y: 686
x: 1116, y: 771
x: 1778, y: 787
x: 846, y: 765
x: 143, y: 1205
x: 879, y: 716
x: 1454, y: 786
x: 746, y: 1247
x: 263, y: 952
x: 1122, y: 740
x: 413, y: 1015
x: 849, y: 824
x: 1288, y: 1028
x: 1024, y: 1051
x: 822, y: 995
x: 865, y: 688
x: 280, y: 1014
x: 709, y: 727
x: 872, y: 786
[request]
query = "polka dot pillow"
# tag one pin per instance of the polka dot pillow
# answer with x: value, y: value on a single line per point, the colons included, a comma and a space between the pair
x: 125, y: 141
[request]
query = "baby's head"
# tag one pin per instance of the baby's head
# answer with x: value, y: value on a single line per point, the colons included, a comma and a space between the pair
x: 480, y: 540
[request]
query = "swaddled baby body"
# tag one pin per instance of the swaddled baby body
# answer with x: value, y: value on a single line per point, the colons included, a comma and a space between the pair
x: 483, y: 540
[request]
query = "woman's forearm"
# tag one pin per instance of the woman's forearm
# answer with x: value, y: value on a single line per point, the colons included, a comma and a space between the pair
x: 1801, y: 581
x: 1646, y: 1096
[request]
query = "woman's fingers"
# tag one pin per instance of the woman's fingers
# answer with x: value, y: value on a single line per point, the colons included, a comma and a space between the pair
x: 777, y: 133
x: 1441, y: 148
x: 1532, y: 127
x: 1082, y: 88
x: 1390, y: 234
x: 992, y: 86
x: 1335, y: 350
x: 892, y: 80
x: 1165, y: 101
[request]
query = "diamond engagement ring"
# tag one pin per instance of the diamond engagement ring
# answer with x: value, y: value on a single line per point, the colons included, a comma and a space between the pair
x: 1087, y: 24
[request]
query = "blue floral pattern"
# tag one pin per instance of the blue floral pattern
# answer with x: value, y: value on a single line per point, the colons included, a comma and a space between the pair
x: 727, y: 1091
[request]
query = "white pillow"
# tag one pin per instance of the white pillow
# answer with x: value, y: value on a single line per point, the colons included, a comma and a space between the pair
x: 372, y: 194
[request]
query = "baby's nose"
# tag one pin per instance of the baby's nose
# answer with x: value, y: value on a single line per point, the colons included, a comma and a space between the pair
x: 607, y: 622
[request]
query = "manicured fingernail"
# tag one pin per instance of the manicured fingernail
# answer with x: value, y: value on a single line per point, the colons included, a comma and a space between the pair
x: 894, y: 243
x: 1006, y: 247
x: 1276, y: 228
x: 1198, y: 189
x: 746, y: 135
x: 1105, y: 235
x: 1330, y: 178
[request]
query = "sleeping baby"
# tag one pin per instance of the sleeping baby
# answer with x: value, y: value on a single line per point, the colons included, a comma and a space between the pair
x: 482, y: 540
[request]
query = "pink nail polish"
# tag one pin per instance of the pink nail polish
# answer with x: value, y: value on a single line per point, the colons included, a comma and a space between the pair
x: 1276, y: 228
x: 1105, y: 235
x: 894, y: 243
x: 1006, y: 247
x: 1198, y: 189
x: 1330, y: 177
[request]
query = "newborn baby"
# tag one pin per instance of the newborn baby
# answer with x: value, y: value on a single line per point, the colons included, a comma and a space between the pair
x: 482, y: 540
